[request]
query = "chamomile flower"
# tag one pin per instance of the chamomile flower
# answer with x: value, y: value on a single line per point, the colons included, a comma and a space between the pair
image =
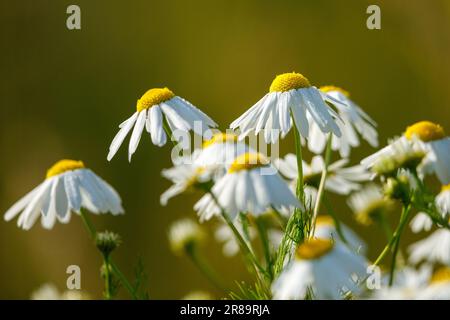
x: 328, y: 268
x: 253, y: 186
x: 155, y: 108
x: 340, y: 180
x: 69, y: 186
x: 221, y: 149
x: 186, y: 177
x: 369, y: 204
x: 185, y: 233
x: 421, y: 222
x: 354, y: 121
x: 423, y: 146
x: 289, y: 94
x: 439, y: 287
x: 434, y: 248
x: 408, y: 284
x: 326, y: 229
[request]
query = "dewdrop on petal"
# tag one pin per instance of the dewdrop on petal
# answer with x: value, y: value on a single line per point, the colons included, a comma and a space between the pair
x: 184, y: 235
x: 159, y: 106
x: 290, y: 99
x: 69, y: 186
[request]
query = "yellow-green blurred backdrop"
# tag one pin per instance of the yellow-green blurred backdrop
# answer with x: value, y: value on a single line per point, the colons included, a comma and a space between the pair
x: 63, y: 93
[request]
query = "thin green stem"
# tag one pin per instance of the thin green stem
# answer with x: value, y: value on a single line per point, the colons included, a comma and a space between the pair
x: 323, y: 179
x: 404, y: 220
x: 242, y: 243
x: 123, y: 279
x: 108, y: 278
x: 298, y: 153
x: 262, y: 230
x: 93, y: 234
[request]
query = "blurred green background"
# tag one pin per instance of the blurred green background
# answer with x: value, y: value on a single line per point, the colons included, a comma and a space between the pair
x: 63, y: 93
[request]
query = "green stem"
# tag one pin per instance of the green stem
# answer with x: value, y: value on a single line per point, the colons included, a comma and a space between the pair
x: 93, y: 234
x: 404, y: 220
x: 108, y: 278
x: 298, y: 153
x: 397, y: 233
x: 262, y: 230
x: 204, y: 267
x: 242, y: 243
x: 323, y: 179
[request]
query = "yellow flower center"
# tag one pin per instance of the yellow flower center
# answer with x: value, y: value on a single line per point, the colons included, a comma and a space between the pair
x: 324, y: 220
x: 288, y: 81
x: 327, y: 89
x: 425, y: 131
x: 441, y: 275
x: 314, y: 248
x: 63, y: 166
x: 248, y: 161
x: 153, y: 97
x: 445, y: 188
x: 220, y: 138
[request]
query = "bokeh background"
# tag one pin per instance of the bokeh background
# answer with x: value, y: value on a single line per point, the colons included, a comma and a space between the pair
x: 63, y: 93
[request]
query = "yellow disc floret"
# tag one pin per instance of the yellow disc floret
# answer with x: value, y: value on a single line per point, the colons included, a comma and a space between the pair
x: 220, y: 138
x: 314, y: 248
x: 153, y: 97
x: 289, y: 81
x: 425, y: 131
x: 441, y: 275
x: 64, y: 165
x: 324, y: 221
x: 327, y: 89
x: 445, y: 188
x: 248, y: 161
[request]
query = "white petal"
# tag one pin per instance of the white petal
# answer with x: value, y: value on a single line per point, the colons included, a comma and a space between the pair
x: 156, y: 127
x: 137, y: 133
x: 120, y: 136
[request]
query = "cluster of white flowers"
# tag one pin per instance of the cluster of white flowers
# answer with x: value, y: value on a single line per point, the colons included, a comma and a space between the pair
x: 306, y: 254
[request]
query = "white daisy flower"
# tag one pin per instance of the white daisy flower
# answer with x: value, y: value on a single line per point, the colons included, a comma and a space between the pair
x: 340, y: 180
x: 439, y: 287
x: 185, y: 233
x: 434, y: 248
x: 423, y: 145
x: 289, y: 94
x: 354, y: 121
x: 368, y: 204
x: 326, y: 229
x: 408, y: 284
x: 326, y: 267
x: 443, y: 201
x: 69, y: 186
x: 186, y: 177
x: 221, y: 149
x: 421, y: 222
x: 253, y: 186
x: 155, y: 108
